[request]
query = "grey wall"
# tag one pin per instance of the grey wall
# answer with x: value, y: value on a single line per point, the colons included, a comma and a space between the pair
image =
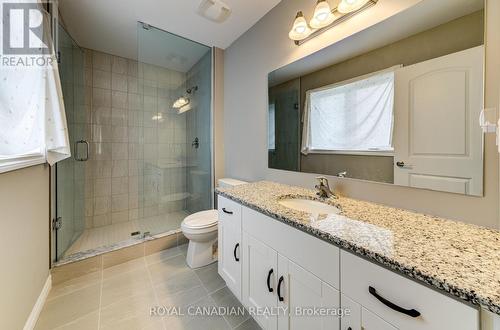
x: 266, y: 47
x: 24, y: 247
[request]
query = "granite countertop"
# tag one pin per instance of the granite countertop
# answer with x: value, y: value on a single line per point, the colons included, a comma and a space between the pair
x: 458, y: 258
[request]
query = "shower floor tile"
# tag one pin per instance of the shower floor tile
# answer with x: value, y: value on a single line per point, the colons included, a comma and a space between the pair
x: 111, y: 234
x: 121, y: 297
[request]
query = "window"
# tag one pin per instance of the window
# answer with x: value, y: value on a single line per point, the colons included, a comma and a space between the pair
x: 33, y: 127
x: 353, y: 116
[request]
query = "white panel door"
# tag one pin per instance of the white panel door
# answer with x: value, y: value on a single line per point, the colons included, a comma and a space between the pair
x: 370, y: 321
x: 260, y: 268
x: 437, y: 139
x: 300, y: 292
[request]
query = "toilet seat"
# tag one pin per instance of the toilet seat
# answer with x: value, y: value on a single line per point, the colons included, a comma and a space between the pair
x: 201, y: 220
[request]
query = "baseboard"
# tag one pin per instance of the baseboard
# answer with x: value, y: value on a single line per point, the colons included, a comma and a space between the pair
x: 35, y: 312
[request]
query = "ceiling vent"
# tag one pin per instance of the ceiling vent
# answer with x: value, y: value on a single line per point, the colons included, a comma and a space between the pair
x: 214, y: 10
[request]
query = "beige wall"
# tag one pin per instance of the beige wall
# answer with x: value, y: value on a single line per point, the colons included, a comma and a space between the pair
x: 266, y: 47
x: 24, y: 247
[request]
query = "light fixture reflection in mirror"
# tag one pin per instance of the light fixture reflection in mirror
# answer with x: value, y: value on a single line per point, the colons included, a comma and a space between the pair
x: 348, y: 6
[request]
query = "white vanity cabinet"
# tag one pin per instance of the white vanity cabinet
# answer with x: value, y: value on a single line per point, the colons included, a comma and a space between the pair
x: 229, y: 244
x: 281, y: 274
x: 278, y: 270
x: 260, y: 266
x: 300, y: 292
x: 399, y: 301
x: 285, y: 291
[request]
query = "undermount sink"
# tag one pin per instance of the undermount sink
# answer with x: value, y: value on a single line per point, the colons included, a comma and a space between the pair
x: 309, y: 206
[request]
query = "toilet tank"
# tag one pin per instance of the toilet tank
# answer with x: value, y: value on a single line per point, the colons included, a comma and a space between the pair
x: 228, y: 183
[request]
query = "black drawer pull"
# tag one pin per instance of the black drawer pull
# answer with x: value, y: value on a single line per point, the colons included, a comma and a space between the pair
x: 409, y: 312
x: 269, y: 280
x: 226, y: 211
x: 234, y: 252
x: 279, y: 288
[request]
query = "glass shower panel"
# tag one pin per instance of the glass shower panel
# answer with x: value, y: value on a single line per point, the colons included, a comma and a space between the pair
x: 175, y: 76
x: 70, y: 177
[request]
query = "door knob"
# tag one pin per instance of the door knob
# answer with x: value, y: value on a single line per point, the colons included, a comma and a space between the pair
x: 403, y: 165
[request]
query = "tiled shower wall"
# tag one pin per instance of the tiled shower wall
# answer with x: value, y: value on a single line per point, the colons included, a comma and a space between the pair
x: 137, y: 141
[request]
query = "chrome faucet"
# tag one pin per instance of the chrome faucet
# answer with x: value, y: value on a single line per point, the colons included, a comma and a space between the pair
x: 323, y: 188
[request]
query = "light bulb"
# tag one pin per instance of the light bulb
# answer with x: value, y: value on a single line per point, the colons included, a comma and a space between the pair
x: 322, y: 15
x: 348, y: 6
x: 300, y: 30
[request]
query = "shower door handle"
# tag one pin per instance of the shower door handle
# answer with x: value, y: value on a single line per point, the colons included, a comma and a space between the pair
x: 81, y: 159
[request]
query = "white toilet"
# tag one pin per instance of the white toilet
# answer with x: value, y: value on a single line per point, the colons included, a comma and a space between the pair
x: 200, y: 229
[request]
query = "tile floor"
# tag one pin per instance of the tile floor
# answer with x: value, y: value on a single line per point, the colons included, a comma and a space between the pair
x: 120, y: 297
x: 94, y: 238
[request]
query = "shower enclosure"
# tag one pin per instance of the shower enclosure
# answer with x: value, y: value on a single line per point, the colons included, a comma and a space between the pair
x: 141, y: 137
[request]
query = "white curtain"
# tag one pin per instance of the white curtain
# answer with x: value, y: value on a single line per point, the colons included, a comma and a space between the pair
x: 33, y: 124
x: 356, y: 115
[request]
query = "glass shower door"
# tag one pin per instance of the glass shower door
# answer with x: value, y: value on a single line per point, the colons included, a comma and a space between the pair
x: 175, y: 79
x: 70, y: 173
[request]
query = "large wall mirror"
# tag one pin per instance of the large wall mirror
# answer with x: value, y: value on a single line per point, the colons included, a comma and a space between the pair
x: 397, y: 104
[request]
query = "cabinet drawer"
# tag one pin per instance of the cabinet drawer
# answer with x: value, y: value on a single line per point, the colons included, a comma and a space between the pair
x: 437, y: 311
x: 229, y: 212
x: 311, y: 253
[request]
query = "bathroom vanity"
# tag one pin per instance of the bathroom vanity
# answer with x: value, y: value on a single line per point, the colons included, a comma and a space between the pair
x: 385, y: 268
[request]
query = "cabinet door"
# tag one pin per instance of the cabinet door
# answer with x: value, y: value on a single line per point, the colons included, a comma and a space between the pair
x: 260, y: 267
x: 370, y: 321
x: 352, y: 318
x: 305, y: 296
x: 230, y: 256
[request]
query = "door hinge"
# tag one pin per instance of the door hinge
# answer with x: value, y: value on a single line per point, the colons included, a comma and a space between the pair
x: 57, y: 223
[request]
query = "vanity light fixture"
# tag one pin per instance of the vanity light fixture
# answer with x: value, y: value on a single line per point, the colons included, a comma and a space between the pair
x: 300, y: 30
x: 325, y: 18
x: 322, y: 16
x: 348, y: 6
